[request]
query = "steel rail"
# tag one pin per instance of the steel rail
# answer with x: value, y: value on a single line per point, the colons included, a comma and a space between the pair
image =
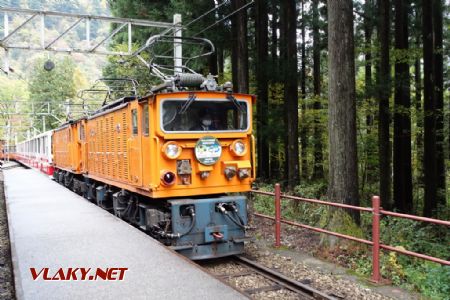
x: 283, y: 281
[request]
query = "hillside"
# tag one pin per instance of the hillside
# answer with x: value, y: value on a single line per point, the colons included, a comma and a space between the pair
x: 20, y: 60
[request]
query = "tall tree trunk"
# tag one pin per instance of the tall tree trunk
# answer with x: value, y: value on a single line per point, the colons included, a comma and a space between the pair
x: 303, y: 50
x: 419, y: 123
x: 430, y: 151
x: 220, y: 61
x: 368, y: 165
x: 220, y: 46
x: 318, y: 147
x: 213, y: 64
x: 368, y: 29
x: 261, y: 28
x: 275, y: 161
x: 274, y: 36
x: 289, y: 28
x: 240, y: 48
x: 303, y: 129
x: 439, y: 99
x: 384, y: 92
x: 418, y: 103
x: 402, y: 116
x: 343, y: 178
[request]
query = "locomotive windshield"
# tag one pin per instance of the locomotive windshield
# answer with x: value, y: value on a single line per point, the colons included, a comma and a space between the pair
x: 204, y: 115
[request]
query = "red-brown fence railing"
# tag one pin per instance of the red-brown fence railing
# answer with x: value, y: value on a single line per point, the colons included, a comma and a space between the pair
x: 376, y: 211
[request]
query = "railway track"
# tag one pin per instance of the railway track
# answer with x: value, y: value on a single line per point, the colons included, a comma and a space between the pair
x: 261, y: 280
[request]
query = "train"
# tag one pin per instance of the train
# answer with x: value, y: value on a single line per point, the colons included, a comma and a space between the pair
x: 7, y: 152
x: 176, y: 163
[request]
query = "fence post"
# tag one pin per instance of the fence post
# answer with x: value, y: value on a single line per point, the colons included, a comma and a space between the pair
x: 277, y: 215
x: 376, y: 239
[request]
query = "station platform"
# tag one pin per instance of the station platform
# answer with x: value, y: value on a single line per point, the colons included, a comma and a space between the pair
x: 52, y: 229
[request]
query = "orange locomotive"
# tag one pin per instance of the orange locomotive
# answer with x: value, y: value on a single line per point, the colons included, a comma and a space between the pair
x: 166, y: 163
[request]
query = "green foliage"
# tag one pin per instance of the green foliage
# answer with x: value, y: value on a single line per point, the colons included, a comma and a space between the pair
x: 340, y: 221
x: 55, y: 86
x: 262, y: 203
x: 297, y: 211
x: 429, y: 278
x: 21, y: 60
x: 70, y: 6
x: 390, y: 267
x: 406, y: 55
x: 11, y: 89
x: 159, y: 10
x: 129, y: 68
x: 314, y: 190
x: 430, y: 239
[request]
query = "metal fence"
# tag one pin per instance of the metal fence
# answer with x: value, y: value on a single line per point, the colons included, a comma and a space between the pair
x: 376, y: 211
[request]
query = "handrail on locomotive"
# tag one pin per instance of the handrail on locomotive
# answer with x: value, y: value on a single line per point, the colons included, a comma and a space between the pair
x: 110, y: 88
x: 170, y: 75
x: 153, y: 63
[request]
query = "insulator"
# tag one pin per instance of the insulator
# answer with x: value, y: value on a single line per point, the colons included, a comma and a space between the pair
x: 189, y: 80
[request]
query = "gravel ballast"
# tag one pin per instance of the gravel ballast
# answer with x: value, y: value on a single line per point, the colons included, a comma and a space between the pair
x: 329, y: 284
x: 294, y: 260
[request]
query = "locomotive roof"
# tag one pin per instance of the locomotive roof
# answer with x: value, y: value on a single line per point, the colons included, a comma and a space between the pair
x: 121, y: 102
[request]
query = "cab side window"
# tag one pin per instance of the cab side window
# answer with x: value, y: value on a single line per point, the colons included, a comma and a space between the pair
x: 134, y: 121
x: 81, y: 133
x: 145, y: 120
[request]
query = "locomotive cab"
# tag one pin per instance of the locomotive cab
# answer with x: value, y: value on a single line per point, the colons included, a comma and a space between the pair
x: 206, y: 143
x: 206, y: 152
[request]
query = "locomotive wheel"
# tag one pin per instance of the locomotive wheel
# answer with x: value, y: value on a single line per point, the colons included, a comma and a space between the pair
x: 68, y: 181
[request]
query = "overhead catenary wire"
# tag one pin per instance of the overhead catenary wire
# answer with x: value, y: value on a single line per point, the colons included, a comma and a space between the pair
x: 203, y: 15
x: 224, y: 18
x: 184, y: 27
x: 215, y: 23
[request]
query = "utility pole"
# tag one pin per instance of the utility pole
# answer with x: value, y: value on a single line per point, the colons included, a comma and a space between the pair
x: 178, y: 48
x: 5, y: 34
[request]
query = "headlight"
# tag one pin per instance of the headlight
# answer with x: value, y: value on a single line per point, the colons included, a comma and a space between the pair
x: 171, y: 150
x: 238, y: 148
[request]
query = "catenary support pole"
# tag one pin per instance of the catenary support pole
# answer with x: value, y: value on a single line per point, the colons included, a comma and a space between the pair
x: 178, y: 48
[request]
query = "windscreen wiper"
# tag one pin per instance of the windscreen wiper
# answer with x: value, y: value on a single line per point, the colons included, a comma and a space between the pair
x: 235, y: 102
x: 188, y: 103
x: 183, y: 108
